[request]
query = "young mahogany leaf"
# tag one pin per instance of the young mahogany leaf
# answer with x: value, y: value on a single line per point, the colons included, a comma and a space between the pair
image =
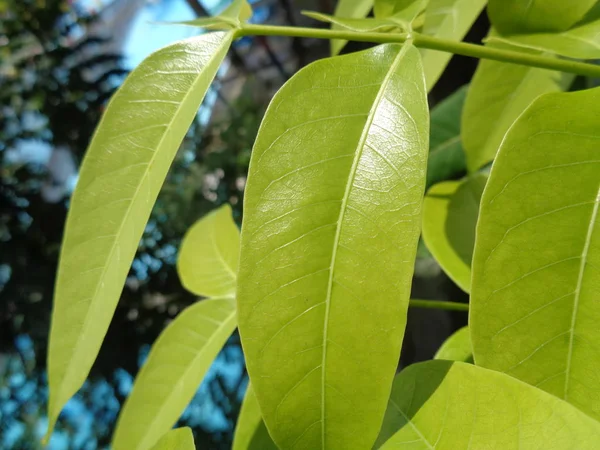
x: 355, y: 9
x: 177, y: 439
x: 536, y: 16
x: 498, y: 94
x: 120, y: 178
x: 536, y: 277
x: 446, y: 19
x: 457, y: 347
x: 446, y: 154
x: 208, y: 258
x: 450, y: 213
x: 365, y: 24
x: 447, y: 405
x: 173, y: 371
x: 331, y: 223
x: 250, y: 430
x: 238, y: 12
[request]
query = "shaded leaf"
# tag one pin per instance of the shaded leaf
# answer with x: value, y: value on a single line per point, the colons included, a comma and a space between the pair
x: 534, y: 304
x: 457, y: 347
x: 250, y: 430
x: 120, y: 178
x: 331, y: 223
x: 355, y: 9
x: 173, y: 371
x: 177, y: 439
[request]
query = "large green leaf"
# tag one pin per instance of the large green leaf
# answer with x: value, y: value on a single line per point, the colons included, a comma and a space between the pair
x: 498, y: 94
x: 177, y: 439
x: 331, y: 222
x: 121, y: 175
x: 209, y: 254
x: 446, y: 19
x: 250, y: 430
x: 173, y: 371
x: 457, y: 347
x: 446, y: 155
x: 446, y: 405
x: 533, y: 16
x: 450, y: 213
x: 355, y: 9
x: 536, y: 277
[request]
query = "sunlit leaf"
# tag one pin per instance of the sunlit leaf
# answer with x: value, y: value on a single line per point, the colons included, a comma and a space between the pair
x: 209, y: 254
x: 536, y: 277
x: 120, y: 178
x: 331, y: 223
x: 457, y: 347
x: 365, y: 24
x: 177, y: 439
x: 446, y: 405
x: 238, y: 12
x: 250, y: 430
x: 173, y: 371
x: 450, y: 213
x: 355, y: 9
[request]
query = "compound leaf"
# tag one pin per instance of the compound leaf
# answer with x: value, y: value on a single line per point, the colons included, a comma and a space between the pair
x: 250, y: 430
x: 177, y: 439
x: 457, y: 347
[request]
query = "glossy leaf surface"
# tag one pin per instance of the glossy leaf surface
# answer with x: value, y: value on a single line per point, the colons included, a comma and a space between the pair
x: 177, y: 439
x: 208, y: 259
x: 120, y: 178
x: 331, y: 222
x: 534, y: 304
x: 446, y: 19
x: 250, y: 430
x: 173, y: 371
x: 519, y: 17
x: 498, y: 94
x: 457, y: 347
x: 355, y: 9
x: 446, y: 405
x: 450, y: 213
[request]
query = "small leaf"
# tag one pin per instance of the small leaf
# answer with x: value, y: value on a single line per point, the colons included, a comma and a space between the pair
x: 534, y: 304
x: 451, y: 20
x: 238, y: 12
x: 498, y: 94
x: 450, y: 213
x: 457, y: 347
x: 405, y: 10
x: 355, y: 9
x: 250, y: 430
x: 446, y: 155
x: 366, y: 24
x: 208, y: 259
x: 331, y: 224
x: 177, y: 439
x: 453, y: 405
x: 173, y: 372
x: 519, y: 17
x: 120, y: 178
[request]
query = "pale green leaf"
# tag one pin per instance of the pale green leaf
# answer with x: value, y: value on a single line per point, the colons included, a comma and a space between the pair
x: 447, y: 405
x: 173, y: 371
x: 209, y: 254
x: 120, y: 178
x: 238, y: 12
x: 457, y: 347
x: 355, y: 9
x: 331, y: 223
x: 533, y: 16
x: 446, y: 19
x: 450, y: 213
x: 536, y: 277
x: 366, y: 24
x: 250, y: 430
x: 498, y: 94
x: 406, y: 10
x: 177, y: 439
x: 446, y: 155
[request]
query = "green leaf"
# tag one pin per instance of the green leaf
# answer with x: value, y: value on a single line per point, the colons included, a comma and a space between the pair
x: 366, y: 24
x: 355, y: 9
x: 209, y: 254
x: 238, y: 12
x: 446, y: 155
x: 177, y: 439
x: 250, y: 430
x: 450, y: 213
x: 536, y: 277
x: 453, y: 405
x: 498, y: 94
x: 173, y: 371
x: 120, y: 178
x: 446, y: 19
x: 331, y: 223
x: 518, y: 16
x: 407, y: 10
x: 457, y: 347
